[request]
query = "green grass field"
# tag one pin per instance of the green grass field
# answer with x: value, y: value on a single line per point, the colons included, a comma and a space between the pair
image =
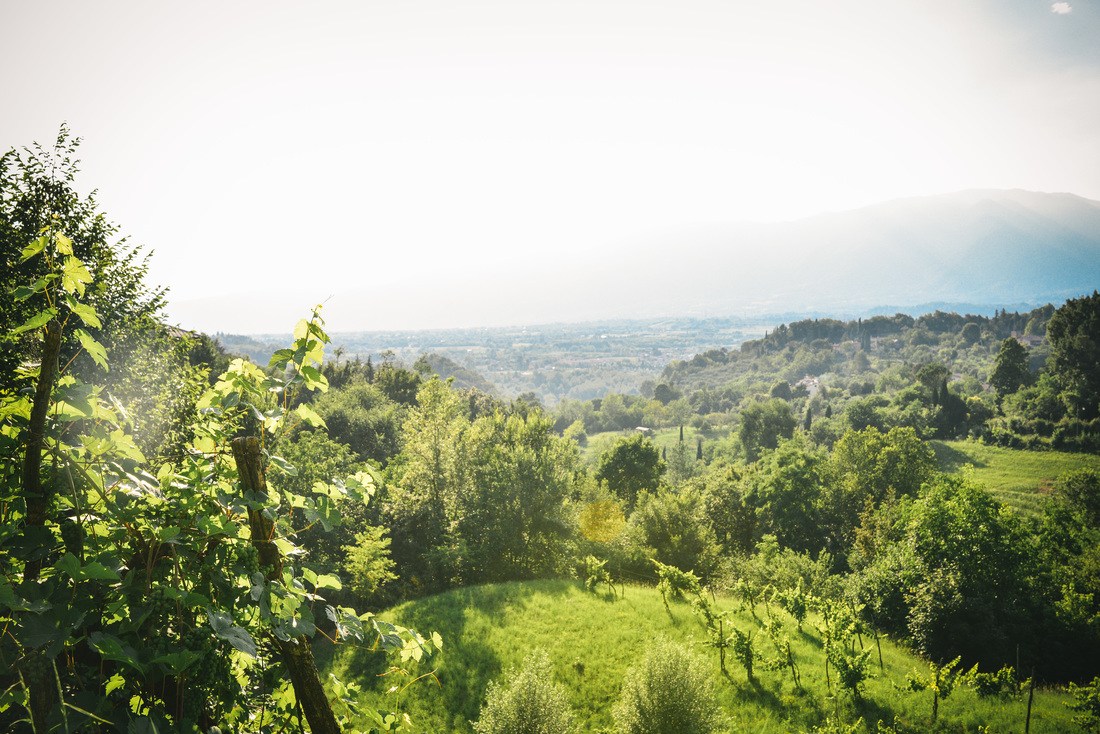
x: 1016, y: 477
x: 593, y: 639
x: 663, y: 438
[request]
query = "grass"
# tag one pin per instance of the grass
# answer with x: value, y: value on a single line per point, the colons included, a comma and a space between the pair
x: 1016, y: 477
x: 663, y: 438
x: 593, y: 639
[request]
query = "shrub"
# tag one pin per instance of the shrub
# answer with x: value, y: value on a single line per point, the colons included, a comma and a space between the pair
x: 669, y: 692
x: 530, y: 704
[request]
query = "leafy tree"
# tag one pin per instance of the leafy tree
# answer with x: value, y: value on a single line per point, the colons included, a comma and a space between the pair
x: 785, y: 489
x: 763, y: 424
x: 866, y: 467
x: 631, y: 466
x: 510, y: 521
x: 1080, y: 488
x: 530, y: 703
x: 397, y: 383
x: 958, y: 578
x: 363, y: 417
x: 150, y: 376
x: 426, y: 480
x: 672, y: 527
x: 971, y: 333
x: 1010, y: 368
x: 367, y: 563
x: 1074, y: 335
x: 668, y: 692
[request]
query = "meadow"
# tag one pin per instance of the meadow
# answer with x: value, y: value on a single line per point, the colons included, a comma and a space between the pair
x: 593, y: 638
x: 1017, y: 477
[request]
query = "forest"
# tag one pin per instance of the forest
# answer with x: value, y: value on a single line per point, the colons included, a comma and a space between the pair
x: 193, y: 542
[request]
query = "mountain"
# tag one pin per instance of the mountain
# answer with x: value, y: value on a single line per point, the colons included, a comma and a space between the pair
x: 979, y: 249
x: 974, y: 247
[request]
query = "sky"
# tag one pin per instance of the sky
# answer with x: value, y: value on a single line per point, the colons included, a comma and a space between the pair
x: 397, y: 159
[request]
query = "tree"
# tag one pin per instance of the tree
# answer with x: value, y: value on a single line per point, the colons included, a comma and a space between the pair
x: 510, y: 520
x: 763, y: 424
x: 529, y: 703
x: 150, y: 376
x: 669, y: 692
x: 786, y: 490
x: 631, y: 466
x: 426, y: 480
x: 672, y: 527
x: 1010, y: 368
x: 1074, y: 335
x: 173, y: 586
x: 959, y: 579
x: 361, y: 416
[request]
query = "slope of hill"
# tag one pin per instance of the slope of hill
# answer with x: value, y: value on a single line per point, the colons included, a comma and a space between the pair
x: 1017, y: 477
x: 980, y: 246
x: 592, y: 640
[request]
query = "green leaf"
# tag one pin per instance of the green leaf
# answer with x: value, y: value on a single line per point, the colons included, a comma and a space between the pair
x: 112, y: 648
x: 85, y: 313
x: 224, y: 629
x: 310, y: 416
x: 37, y: 321
x: 33, y: 248
x: 94, y: 349
x: 92, y: 571
x: 328, y: 581
x: 64, y: 244
x: 74, y: 276
x: 115, y: 682
x: 177, y: 662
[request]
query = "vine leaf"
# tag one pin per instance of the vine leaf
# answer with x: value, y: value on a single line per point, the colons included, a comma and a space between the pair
x: 224, y: 629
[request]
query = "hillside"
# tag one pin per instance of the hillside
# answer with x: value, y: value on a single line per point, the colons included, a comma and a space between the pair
x: 977, y: 246
x: 592, y: 640
x: 1017, y: 477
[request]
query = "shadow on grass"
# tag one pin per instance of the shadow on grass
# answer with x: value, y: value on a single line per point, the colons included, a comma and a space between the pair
x: 951, y: 459
x: 467, y: 664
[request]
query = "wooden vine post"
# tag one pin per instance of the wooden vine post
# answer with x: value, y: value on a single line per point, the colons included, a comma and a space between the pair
x: 296, y: 653
x: 37, y: 672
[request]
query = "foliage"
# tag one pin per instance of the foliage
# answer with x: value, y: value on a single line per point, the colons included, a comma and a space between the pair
x: 940, y: 680
x: 676, y: 584
x: 176, y: 593
x: 361, y: 416
x: 594, y: 573
x: 763, y: 424
x: 530, y: 703
x: 668, y: 692
x: 368, y: 564
x: 1086, y: 704
x: 785, y: 488
x: 1002, y: 683
x: 631, y: 466
x: 1010, y: 368
x: 1074, y: 334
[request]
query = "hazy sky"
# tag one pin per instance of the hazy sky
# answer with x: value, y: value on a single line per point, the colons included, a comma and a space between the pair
x: 285, y: 152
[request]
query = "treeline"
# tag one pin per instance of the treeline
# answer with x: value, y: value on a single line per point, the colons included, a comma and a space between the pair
x: 1009, y: 379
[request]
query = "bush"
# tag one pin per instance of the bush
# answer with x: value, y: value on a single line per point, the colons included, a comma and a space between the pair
x: 530, y: 704
x: 669, y: 692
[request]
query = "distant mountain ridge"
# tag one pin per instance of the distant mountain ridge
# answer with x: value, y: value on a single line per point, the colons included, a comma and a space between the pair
x: 981, y: 246
x: 978, y: 246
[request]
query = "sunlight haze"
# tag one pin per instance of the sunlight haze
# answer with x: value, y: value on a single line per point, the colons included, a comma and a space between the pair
x: 411, y: 159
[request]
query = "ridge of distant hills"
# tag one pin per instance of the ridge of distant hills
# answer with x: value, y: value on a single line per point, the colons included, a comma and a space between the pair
x: 970, y: 247
x: 966, y: 251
